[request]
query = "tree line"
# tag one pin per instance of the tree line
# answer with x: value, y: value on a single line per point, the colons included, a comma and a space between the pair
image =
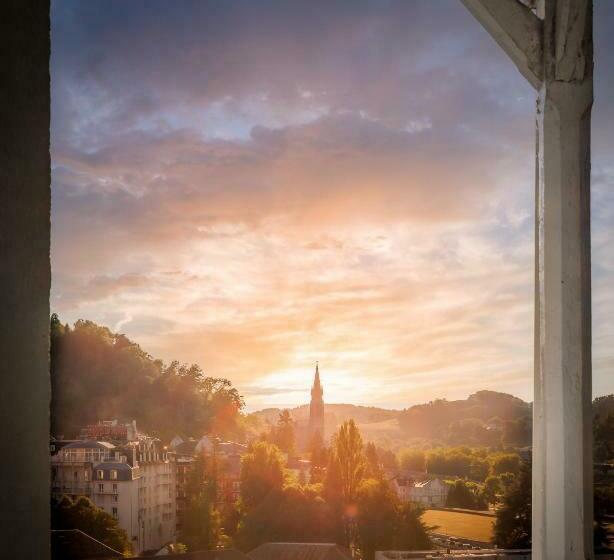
x: 98, y: 374
x: 347, y: 500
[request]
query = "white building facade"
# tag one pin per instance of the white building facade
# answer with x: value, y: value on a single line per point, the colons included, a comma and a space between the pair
x: 134, y: 482
x: 428, y: 493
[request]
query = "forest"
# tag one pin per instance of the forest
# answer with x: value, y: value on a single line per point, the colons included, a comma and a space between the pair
x: 98, y: 375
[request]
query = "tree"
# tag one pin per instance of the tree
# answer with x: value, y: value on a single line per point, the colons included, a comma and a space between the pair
x: 348, y: 453
x: 319, y: 458
x: 262, y: 472
x: 345, y: 472
x: 463, y: 495
x: 505, y: 463
x: 283, y: 435
x: 373, y: 467
x: 517, y: 432
x: 291, y: 514
x: 383, y: 523
x: 412, y: 460
x: 201, y: 520
x: 603, y: 434
x: 491, y: 490
x: 376, y: 517
x: 411, y: 533
x: 512, y: 527
x: 82, y: 514
x: 98, y: 374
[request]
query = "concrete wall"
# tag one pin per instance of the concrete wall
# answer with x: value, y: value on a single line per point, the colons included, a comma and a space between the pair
x: 25, y: 277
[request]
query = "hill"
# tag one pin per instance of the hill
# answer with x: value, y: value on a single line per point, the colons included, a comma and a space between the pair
x: 97, y: 374
x: 484, y: 418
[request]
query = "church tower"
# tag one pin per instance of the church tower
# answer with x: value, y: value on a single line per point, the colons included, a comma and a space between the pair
x: 316, y: 407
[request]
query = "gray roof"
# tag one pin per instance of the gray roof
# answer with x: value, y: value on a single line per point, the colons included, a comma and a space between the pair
x: 124, y: 471
x: 72, y: 544
x: 89, y: 444
x: 186, y: 448
x: 300, y: 551
x: 227, y: 554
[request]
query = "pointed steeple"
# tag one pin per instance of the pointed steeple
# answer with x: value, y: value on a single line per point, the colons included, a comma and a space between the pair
x: 316, y: 407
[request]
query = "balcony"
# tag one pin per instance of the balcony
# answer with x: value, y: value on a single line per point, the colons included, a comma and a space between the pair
x: 75, y: 490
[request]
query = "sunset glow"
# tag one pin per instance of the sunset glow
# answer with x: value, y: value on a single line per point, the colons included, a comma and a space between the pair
x: 264, y: 185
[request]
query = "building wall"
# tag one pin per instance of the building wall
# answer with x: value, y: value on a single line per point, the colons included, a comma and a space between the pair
x: 157, y: 504
x: 120, y: 499
x: 434, y: 493
x: 25, y: 197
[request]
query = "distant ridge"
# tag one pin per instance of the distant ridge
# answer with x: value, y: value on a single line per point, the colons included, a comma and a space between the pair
x: 481, y: 419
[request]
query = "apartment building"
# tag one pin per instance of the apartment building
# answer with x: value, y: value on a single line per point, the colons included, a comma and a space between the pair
x: 133, y: 480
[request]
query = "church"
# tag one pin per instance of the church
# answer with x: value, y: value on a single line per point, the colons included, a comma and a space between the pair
x: 316, y: 408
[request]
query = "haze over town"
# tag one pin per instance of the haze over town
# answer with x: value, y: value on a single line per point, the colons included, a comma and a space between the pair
x: 287, y: 183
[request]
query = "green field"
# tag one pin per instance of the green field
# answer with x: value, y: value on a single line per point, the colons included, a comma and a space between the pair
x: 459, y: 524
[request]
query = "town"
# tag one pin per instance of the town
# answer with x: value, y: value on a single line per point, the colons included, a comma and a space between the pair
x: 282, y: 485
x: 145, y: 484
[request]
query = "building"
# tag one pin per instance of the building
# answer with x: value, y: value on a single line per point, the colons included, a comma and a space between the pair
x: 133, y: 480
x: 300, y: 551
x: 401, y: 486
x: 183, y: 454
x: 157, y: 503
x: 110, y: 430
x: 316, y: 408
x: 429, y: 493
x: 433, y: 492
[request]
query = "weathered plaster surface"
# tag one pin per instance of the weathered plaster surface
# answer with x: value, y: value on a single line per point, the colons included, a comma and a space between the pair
x: 25, y: 278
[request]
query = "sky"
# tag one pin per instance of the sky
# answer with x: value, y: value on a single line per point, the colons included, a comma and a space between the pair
x: 254, y: 186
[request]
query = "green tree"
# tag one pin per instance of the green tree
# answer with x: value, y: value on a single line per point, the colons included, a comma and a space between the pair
x: 319, y: 458
x: 512, y: 527
x: 201, y: 521
x: 373, y: 467
x: 492, y: 489
x: 411, y: 533
x: 412, y: 460
x: 82, y: 514
x: 462, y: 495
x: 98, y: 374
x: 348, y: 453
x: 377, y: 516
x: 283, y: 435
x: 383, y: 523
x: 517, y: 431
x: 291, y: 514
x: 262, y: 472
x: 603, y: 435
x: 345, y: 472
x: 505, y: 462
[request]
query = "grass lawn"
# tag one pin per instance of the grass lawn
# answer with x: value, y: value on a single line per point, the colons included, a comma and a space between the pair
x: 458, y: 524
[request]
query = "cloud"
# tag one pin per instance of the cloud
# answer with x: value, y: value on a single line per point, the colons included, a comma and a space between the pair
x: 254, y: 186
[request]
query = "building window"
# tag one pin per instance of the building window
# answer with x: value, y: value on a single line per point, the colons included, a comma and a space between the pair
x: 113, y: 474
x: 115, y: 497
x: 100, y: 475
x: 86, y: 474
x: 101, y: 488
x: 115, y: 488
x: 115, y: 512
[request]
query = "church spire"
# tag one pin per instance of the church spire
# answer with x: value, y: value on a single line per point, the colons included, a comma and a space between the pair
x: 316, y: 407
